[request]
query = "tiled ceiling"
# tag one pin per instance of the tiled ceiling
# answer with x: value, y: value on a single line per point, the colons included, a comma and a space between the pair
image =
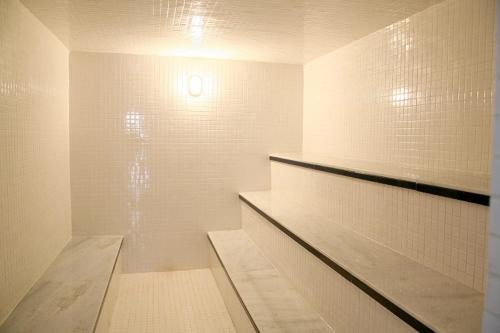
x: 288, y: 31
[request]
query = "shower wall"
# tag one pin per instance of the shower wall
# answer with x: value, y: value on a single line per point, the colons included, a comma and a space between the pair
x: 414, y: 96
x: 35, y: 217
x: 162, y: 167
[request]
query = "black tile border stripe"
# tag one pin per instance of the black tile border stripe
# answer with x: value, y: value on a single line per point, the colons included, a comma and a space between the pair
x: 379, y: 298
x: 232, y: 285
x: 476, y: 198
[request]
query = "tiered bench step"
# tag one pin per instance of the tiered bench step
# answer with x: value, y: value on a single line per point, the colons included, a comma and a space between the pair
x: 270, y: 301
x: 426, y: 300
x: 70, y: 294
x: 466, y: 187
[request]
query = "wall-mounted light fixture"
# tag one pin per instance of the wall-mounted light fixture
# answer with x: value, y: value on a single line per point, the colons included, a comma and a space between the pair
x: 195, y: 85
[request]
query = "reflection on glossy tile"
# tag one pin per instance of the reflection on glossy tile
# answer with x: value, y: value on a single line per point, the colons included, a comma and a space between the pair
x: 163, y: 167
x: 35, y: 216
x: 416, y: 95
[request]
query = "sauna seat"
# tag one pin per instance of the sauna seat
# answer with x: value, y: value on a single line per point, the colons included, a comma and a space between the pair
x: 452, y: 184
x: 425, y: 299
x: 270, y: 301
x: 69, y: 296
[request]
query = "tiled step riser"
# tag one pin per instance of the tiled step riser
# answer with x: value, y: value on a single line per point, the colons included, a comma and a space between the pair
x: 236, y: 310
x: 340, y: 303
x: 444, y: 234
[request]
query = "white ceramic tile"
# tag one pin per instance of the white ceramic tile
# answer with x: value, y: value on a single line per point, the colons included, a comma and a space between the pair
x: 264, y: 30
x: 345, y: 307
x: 35, y: 215
x: 438, y: 301
x: 415, y: 94
x: 464, y: 181
x: 154, y: 250
x: 180, y: 302
x: 161, y: 167
x: 272, y: 302
x: 444, y: 234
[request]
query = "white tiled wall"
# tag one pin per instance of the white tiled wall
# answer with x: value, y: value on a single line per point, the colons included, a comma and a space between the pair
x: 162, y: 167
x: 491, y: 319
x: 34, y: 154
x: 444, y: 234
x: 344, y: 306
x: 417, y: 94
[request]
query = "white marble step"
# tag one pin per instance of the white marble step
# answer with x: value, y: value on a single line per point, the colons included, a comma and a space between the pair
x: 69, y: 296
x: 270, y: 300
x: 429, y: 300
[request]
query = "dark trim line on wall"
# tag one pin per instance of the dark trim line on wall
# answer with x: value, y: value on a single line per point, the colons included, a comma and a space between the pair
x: 476, y: 198
x: 379, y: 298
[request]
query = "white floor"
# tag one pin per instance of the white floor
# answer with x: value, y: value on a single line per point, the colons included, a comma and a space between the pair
x: 170, y: 302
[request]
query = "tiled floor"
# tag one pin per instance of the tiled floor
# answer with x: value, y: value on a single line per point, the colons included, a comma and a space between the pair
x: 173, y: 302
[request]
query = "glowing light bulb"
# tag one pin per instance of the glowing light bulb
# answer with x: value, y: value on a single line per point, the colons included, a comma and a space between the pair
x: 195, y: 85
x: 197, y: 26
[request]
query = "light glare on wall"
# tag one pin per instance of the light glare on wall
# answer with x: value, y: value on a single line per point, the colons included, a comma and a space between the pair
x: 195, y: 85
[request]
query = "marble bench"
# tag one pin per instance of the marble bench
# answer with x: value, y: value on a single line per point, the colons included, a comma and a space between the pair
x: 421, y: 297
x: 269, y: 302
x: 74, y: 294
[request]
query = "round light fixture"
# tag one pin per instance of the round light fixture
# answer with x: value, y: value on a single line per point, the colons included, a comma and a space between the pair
x: 195, y: 85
